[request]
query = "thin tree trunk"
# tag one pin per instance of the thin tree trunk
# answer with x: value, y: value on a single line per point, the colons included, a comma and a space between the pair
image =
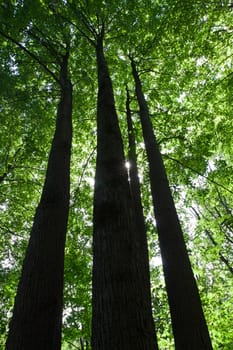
x: 37, y: 314
x: 119, y: 319
x: 143, y: 257
x: 134, y: 181
x: 188, y: 322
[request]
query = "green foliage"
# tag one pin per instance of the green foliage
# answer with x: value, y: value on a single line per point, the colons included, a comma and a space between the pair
x: 184, y: 56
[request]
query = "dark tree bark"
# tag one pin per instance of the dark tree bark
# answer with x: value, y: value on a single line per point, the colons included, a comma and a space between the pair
x: 142, y: 253
x: 188, y: 322
x: 120, y: 320
x: 37, y: 314
x: 134, y: 182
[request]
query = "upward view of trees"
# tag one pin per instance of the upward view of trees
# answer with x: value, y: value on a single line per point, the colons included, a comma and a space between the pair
x: 116, y: 175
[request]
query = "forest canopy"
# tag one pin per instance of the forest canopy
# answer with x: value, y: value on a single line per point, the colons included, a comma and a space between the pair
x: 182, y: 51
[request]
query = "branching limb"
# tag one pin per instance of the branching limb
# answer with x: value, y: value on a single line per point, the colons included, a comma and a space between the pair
x: 31, y: 54
x: 198, y: 173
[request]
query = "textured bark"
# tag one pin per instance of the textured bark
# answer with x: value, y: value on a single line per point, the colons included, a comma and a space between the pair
x: 119, y: 318
x: 37, y: 314
x: 188, y: 322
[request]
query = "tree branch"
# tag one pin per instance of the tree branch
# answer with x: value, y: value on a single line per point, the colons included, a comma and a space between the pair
x: 44, y: 43
x: 211, y: 238
x: 198, y: 173
x: 31, y: 54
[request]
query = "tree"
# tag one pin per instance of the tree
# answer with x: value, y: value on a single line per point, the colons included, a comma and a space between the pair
x: 185, y: 304
x: 37, y: 313
x: 137, y: 202
x: 36, y: 321
x: 121, y: 303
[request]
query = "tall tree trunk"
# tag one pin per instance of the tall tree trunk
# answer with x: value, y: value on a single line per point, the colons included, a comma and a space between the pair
x: 135, y: 184
x: 142, y: 253
x: 188, y: 322
x: 37, y: 314
x: 120, y: 320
